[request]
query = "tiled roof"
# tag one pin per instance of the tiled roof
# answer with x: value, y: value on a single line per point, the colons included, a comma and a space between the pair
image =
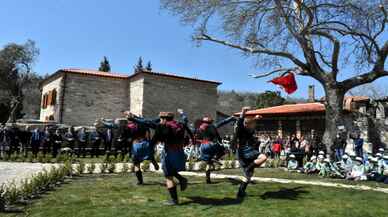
x: 173, y: 76
x: 93, y: 72
x: 290, y: 109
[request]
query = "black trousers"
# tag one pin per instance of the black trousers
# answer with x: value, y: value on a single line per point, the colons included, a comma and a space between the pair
x: 35, y: 147
x: 81, y: 149
x: 56, y: 148
x: 96, y: 148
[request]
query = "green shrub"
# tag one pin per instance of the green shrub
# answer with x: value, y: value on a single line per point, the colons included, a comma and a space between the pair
x: 3, y: 201
x: 14, y: 157
x: 125, y: 168
x: 30, y: 157
x: 68, y: 168
x: 227, y: 164
x: 126, y: 158
x: 145, y: 166
x: 79, y: 168
x: 103, y: 167
x: 26, y: 189
x: 190, y: 165
x: 39, y: 157
x: 91, y: 168
x: 12, y: 194
x: 111, y: 167
x: 233, y: 164
x: 202, y: 166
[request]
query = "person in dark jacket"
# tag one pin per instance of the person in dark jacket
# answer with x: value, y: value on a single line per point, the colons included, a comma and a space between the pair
x: 172, y: 134
x: 57, y: 143
x: 95, y: 139
x: 248, y: 156
x: 47, y: 140
x: 36, y: 141
x: 358, y: 146
x: 211, y: 148
x: 69, y: 137
x: 82, y: 142
x: 339, y: 146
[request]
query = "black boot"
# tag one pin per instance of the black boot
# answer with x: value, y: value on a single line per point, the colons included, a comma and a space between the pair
x: 241, y: 191
x: 248, y: 171
x: 156, y: 165
x: 174, y: 197
x: 208, y: 181
x: 251, y: 167
x: 182, y: 181
x: 139, y: 176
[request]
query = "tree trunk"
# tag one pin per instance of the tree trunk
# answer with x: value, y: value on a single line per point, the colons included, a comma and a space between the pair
x: 334, y: 116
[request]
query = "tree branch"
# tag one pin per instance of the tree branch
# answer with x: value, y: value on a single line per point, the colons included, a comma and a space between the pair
x: 296, y: 61
x: 275, y: 71
x: 377, y: 71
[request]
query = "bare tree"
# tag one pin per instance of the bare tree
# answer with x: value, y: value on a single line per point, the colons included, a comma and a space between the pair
x: 315, y: 38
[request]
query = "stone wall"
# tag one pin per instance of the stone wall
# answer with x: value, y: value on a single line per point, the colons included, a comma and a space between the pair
x: 53, y: 110
x: 163, y: 93
x: 87, y: 98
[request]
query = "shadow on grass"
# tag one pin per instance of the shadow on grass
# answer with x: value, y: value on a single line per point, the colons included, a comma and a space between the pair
x: 284, y: 193
x: 226, y: 201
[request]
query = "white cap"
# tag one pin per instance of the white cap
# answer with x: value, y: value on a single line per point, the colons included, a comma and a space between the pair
x: 345, y: 156
x: 379, y: 155
x: 321, y: 152
x: 327, y: 160
x: 381, y: 149
x: 320, y: 156
x: 313, y: 158
x: 292, y: 156
x: 359, y: 159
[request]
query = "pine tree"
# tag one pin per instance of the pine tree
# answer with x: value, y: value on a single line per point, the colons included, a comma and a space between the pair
x: 104, y: 65
x: 139, y: 66
x: 149, y: 66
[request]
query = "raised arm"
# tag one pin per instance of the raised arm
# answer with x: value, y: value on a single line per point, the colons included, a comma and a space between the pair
x: 151, y: 123
x: 109, y: 125
x: 225, y: 121
x: 185, y: 121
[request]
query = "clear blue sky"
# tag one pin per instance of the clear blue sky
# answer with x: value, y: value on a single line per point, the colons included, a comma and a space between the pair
x: 78, y: 33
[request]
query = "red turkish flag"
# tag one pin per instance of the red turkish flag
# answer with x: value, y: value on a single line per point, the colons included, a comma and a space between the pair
x: 287, y: 82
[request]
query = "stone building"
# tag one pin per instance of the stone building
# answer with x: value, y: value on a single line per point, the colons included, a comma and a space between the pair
x: 80, y: 96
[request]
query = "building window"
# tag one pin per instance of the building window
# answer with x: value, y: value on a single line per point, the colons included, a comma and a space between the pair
x: 49, y: 99
x: 54, y: 97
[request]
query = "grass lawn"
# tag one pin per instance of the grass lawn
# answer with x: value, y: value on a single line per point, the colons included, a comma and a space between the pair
x: 282, y: 174
x: 117, y: 195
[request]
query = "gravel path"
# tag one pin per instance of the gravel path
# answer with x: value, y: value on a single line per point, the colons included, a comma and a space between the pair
x: 19, y: 171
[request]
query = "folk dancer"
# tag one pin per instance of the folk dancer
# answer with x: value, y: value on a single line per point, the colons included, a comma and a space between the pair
x: 211, y: 149
x: 248, y: 156
x: 172, y: 134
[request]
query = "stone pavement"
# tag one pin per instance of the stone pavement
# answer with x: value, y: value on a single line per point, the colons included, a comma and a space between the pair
x: 18, y: 171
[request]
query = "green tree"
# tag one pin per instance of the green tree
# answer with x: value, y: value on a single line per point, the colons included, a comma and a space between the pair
x: 104, y: 65
x: 315, y: 38
x: 139, y: 66
x: 16, y: 62
x: 149, y: 66
x: 269, y: 99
